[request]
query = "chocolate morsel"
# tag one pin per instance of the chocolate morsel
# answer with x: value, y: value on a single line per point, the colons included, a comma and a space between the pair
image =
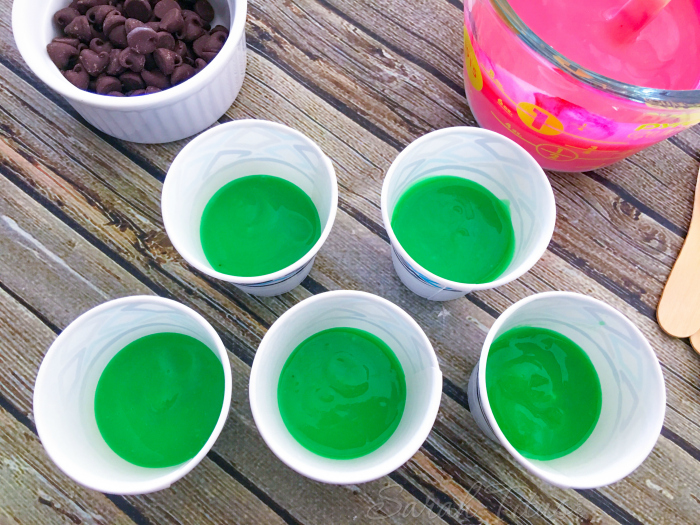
x: 111, y: 21
x: 172, y: 21
x: 137, y: 92
x: 165, y: 40
x: 164, y: 6
x: 199, y: 64
x: 131, y: 24
x: 116, y: 94
x: 204, y: 10
x: 78, y: 77
x: 208, y: 46
x: 79, y: 28
x: 98, y: 45
x: 84, y: 5
x: 131, y: 81
x: 61, y: 54
x: 192, y: 31
x: 152, y: 89
x: 219, y: 29
x: 181, y: 48
x: 67, y: 40
x: 143, y: 40
x: 106, y: 84
x: 155, y: 78
x: 65, y: 16
x: 115, y: 67
x: 166, y: 60
x: 132, y: 59
x: 118, y: 37
x: 81, y: 47
x: 153, y: 25
x: 94, y: 63
x: 139, y: 9
x: 182, y: 73
x: 96, y: 15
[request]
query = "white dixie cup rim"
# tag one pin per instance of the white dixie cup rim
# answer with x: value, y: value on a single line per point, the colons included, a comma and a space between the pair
x: 26, y: 42
x: 235, y: 279
x: 373, y: 472
x: 530, y: 260
x: 561, y: 480
x: 140, y: 487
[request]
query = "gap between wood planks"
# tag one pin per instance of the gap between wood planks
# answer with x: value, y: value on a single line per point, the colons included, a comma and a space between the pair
x: 375, y: 226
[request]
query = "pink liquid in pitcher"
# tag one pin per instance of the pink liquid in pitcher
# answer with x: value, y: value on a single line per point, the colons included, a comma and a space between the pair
x: 567, y: 123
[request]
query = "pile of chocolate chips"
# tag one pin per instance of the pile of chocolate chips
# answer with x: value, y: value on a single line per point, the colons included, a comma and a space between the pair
x: 134, y: 47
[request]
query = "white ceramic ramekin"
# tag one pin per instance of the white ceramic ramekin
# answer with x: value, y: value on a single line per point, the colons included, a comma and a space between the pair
x: 64, y: 393
x: 173, y: 114
x: 392, y: 325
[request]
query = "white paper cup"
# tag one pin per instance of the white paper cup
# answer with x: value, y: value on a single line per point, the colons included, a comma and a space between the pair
x: 634, y: 395
x: 498, y: 164
x: 353, y: 310
x: 64, y: 394
x: 238, y: 149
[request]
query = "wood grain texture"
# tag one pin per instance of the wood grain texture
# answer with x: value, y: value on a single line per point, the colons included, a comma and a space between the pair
x: 362, y: 78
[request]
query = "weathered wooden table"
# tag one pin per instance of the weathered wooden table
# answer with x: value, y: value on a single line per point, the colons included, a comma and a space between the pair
x: 80, y: 224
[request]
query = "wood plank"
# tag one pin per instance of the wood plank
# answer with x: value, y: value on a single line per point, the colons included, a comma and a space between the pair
x: 392, y: 274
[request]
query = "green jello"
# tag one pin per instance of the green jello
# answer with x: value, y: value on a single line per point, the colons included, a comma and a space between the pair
x: 455, y: 228
x: 543, y: 390
x: 257, y: 225
x: 159, y: 398
x: 342, y: 393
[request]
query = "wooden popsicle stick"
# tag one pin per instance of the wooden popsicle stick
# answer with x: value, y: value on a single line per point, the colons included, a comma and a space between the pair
x: 695, y: 341
x: 679, y: 308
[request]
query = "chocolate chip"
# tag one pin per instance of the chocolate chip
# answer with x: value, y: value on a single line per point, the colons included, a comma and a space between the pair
x: 181, y: 48
x: 192, y: 31
x: 153, y: 25
x: 131, y: 81
x: 118, y: 36
x: 84, y: 5
x: 164, y: 6
x: 97, y: 14
x: 81, y: 47
x: 61, y: 54
x: 67, y: 40
x: 199, y: 64
x: 143, y: 40
x: 204, y: 10
x: 219, y: 29
x: 152, y: 89
x: 132, y: 59
x: 139, y: 9
x: 172, y: 21
x: 166, y: 60
x: 111, y: 21
x: 79, y: 28
x: 65, y: 16
x: 132, y: 23
x: 94, y: 63
x: 78, y: 77
x: 116, y: 94
x: 115, y: 67
x: 208, y: 46
x: 98, y: 45
x: 165, y: 40
x: 106, y: 84
x: 155, y: 78
x: 182, y: 73
x: 137, y: 92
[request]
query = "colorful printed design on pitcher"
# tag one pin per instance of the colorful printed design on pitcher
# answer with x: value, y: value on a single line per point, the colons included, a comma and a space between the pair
x: 561, y: 135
